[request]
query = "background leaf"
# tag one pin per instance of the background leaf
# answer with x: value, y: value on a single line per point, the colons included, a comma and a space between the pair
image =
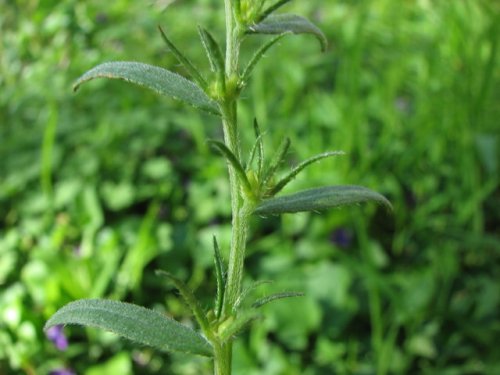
x: 155, y: 78
x: 133, y: 322
x: 282, y: 23
x: 320, y: 199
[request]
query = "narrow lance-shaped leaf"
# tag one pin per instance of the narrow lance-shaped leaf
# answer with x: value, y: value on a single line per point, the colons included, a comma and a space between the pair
x: 155, y: 78
x: 190, y: 300
x: 260, y: 153
x: 295, y: 171
x: 188, y: 65
x: 320, y: 199
x: 213, y: 51
x: 136, y: 323
x: 262, y: 301
x: 282, y: 23
x: 231, y: 158
x: 257, y: 148
x: 219, y: 274
x: 277, y: 159
x: 257, y: 56
x: 247, y: 291
x: 272, y: 8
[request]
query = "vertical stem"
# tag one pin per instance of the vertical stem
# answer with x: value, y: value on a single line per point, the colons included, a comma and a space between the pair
x: 240, y: 211
x: 222, y: 359
x: 232, y: 43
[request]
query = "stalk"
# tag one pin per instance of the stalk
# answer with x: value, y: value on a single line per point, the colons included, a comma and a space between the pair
x: 239, y: 209
x: 222, y: 359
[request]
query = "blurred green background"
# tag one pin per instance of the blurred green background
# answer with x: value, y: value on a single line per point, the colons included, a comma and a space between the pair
x: 99, y: 189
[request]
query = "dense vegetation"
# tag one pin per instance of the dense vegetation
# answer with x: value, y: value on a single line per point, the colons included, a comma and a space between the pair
x: 99, y: 189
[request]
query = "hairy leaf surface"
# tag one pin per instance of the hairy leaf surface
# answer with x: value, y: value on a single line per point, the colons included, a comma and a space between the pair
x: 319, y: 199
x: 155, y: 78
x: 136, y: 323
x: 282, y: 23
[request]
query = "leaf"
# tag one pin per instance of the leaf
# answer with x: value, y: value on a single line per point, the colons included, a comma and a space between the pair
x: 277, y: 159
x: 188, y: 65
x: 258, y: 55
x: 272, y: 8
x: 262, y: 301
x: 320, y: 199
x: 219, y: 274
x: 257, y: 148
x: 190, y: 300
x: 260, y: 150
x: 231, y: 158
x: 282, y: 23
x: 213, y: 50
x: 295, y: 171
x: 247, y: 291
x: 155, y: 78
x: 136, y: 323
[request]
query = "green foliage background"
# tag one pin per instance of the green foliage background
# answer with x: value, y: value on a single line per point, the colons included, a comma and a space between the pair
x: 99, y: 189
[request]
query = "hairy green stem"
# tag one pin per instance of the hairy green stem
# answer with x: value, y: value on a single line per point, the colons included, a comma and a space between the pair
x: 239, y: 209
x: 232, y: 40
x: 222, y: 359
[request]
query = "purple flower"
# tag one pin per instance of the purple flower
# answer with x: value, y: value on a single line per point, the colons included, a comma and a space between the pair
x: 56, y: 335
x: 341, y: 237
x: 62, y: 371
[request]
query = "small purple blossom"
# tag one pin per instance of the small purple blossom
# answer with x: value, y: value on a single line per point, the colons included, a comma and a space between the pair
x: 57, y: 336
x: 62, y: 371
x: 341, y: 237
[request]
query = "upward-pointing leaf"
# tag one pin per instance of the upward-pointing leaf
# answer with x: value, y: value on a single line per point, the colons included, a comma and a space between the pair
x: 320, y: 199
x: 136, y: 323
x: 295, y: 171
x: 257, y: 56
x: 277, y: 159
x: 189, y: 298
x: 155, y: 78
x: 262, y: 301
x: 188, y: 65
x: 212, y: 49
x: 282, y: 23
x: 233, y: 161
x: 273, y: 8
x: 221, y: 282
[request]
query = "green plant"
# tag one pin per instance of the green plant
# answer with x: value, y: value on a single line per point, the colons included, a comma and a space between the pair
x: 254, y: 187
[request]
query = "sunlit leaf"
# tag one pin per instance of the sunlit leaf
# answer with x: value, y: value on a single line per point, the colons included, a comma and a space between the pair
x: 136, y: 323
x: 282, y: 23
x: 319, y: 199
x: 155, y: 78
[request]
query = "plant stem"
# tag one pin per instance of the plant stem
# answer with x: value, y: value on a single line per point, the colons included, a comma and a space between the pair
x: 222, y: 359
x: 232, y: 40
x: 240, y: 210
